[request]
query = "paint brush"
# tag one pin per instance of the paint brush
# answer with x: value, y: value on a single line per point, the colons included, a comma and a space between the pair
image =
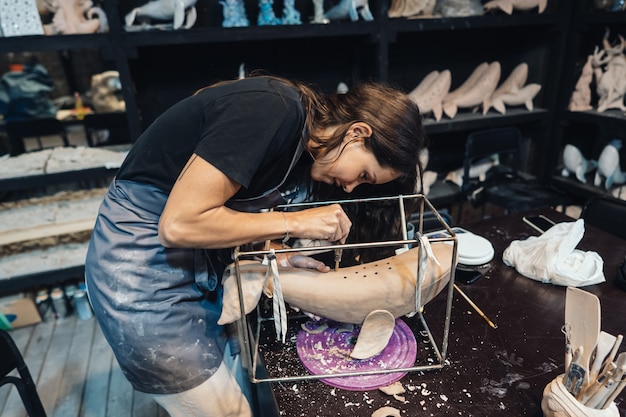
x: 338, y: 255
x: 475, y: 307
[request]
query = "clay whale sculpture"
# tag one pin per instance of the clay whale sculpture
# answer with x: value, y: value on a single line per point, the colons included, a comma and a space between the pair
x: 430, y: 92
x: 475, y: 91
x: 507, y: 6
x: 371, y: 294
x: 509, y: 88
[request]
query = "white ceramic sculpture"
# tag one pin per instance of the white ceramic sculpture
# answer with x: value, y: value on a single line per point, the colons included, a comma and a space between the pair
x: 430, y: 92
x: 581, y: 97
x: 609, y: 168
x: 318, y: 12
x: 75, y: 16
x: 182, y: 13
x: 350, y: 9
x: 575, y: 163
x: 475, y: 91
x: 411, y: 8
x: 511, y: 85
x: 558, y: 402
x: 609, y: 67
x: 105, y: 89
x: 507, y: 6
x: 373, y: 292
x: 234, y: 13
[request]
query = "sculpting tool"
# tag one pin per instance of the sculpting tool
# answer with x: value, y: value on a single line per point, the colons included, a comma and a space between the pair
x: 338, y: 255
x: 475, y: 307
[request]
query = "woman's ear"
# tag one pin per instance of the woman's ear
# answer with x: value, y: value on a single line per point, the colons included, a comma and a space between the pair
x: 360, y: 130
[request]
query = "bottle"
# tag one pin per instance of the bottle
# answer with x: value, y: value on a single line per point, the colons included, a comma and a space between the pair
x: 81, y: 304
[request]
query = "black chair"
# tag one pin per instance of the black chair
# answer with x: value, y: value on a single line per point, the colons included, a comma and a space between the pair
x: 114, y: 126
x: 18, y: 130
x: 12, y: 359
x: 606, y: 213
x: 504, y: 186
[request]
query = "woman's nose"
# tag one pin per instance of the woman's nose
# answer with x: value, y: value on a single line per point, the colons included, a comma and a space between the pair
x: 348, y: 188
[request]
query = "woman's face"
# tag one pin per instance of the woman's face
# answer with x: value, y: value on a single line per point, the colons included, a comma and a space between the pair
x: 351, y: 163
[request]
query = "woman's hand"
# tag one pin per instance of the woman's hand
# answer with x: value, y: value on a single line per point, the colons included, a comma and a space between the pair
x: 300, y: 261
x: 321, y: 223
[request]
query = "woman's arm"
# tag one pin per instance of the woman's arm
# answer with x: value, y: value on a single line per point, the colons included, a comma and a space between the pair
x: 195, y: 215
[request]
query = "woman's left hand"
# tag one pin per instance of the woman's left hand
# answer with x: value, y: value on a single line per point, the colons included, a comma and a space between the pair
x: 301, y: 261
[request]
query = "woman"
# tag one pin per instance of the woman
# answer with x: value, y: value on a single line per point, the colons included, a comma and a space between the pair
x: 196, y: 182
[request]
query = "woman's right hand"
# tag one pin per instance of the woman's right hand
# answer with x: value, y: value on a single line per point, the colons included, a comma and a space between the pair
x: 320, y: 223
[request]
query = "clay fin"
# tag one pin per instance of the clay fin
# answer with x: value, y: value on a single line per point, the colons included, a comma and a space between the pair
x: 253, y: 277
x: 375, y: 334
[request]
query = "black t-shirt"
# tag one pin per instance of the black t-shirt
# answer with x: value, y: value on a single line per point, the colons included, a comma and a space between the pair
x: 248, y: 129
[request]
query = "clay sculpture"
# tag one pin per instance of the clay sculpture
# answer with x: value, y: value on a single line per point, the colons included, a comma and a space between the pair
x: 507, y: 6
x: 475, y: 91
x: 574, y: 162
x: 351, y: 9
x: 608, y: 166
x: 609, y: 66
x: 74, y: 17
x: 179, y: 11
x: 512, y: 92
x: 581, y: 97
x: 371, y: 294
x: 430, y: 92
x: 411, y: 8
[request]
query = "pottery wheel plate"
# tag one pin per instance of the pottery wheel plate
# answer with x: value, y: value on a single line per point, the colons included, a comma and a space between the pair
x: 328, y: 353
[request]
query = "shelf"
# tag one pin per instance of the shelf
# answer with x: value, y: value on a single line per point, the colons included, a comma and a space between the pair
x: 469, y: 121
x: 578, y: 189
x: 592, y: 116
x: 35, y: 181
x: 53, y: 43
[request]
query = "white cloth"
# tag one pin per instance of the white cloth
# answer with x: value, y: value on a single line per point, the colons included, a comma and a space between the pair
x: 553, y: 257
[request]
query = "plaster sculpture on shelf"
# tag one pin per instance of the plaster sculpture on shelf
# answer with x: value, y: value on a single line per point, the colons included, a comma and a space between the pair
x: 609, y: 168
x: 350, y: 9
x: 74, y: 17
x: 430, y: 92
x: 524, y: 96
x: 105, y: 92
x: 266, y: 15
x: 234, y: 13
x: 411, y: 8
x: 182, y: 13
x: 575, y: 163
x: 371, y: 294
x: 475, y: 91
x: 609, y: 67
x: 507, y: 6
x: 581, y: 97
x: 511, y: 85
x: 458, y: 8
x: 291, y: 15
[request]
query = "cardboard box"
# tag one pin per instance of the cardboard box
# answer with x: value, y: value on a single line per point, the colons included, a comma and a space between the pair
x: 20, y: 312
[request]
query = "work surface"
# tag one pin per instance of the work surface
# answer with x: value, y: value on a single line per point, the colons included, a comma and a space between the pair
x: 489, y: 371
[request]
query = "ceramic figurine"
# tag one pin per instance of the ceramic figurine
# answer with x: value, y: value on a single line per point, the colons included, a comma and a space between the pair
x: 475, y: 91
x: 609, y: 167
x: 523, y: 96
x: 430, y: 92
x: 575, y: 163
x: 458, y: 8
x: 266, y: 15
x: 609, y: 66
x: 351, y: 9
x: 178, y: 11
x: 581, y: 97
x: 558, y: 402
x: 291, y: 16
x: 105, y: 88
x: 318, y: 12
x: 372, y: 294
x: 507, y: 6
x: 234, y: 13
x: 411, y: 8
x: 75, y: 16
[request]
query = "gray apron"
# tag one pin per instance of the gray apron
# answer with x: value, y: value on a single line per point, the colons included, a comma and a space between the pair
x: 158, y: 307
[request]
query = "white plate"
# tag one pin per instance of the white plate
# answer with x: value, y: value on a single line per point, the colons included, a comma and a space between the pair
x: 473, y: 249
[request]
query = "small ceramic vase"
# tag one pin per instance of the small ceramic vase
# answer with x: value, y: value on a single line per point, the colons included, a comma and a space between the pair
x: 558, y: 402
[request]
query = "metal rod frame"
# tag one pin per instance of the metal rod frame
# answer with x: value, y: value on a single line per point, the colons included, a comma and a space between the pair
x: 249, y: 339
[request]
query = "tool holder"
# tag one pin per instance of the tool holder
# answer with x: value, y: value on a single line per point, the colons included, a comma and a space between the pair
x: 558, y: 402
x: 253, y: 329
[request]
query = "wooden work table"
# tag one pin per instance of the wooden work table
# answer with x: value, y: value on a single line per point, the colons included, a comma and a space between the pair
x: 489, y: 371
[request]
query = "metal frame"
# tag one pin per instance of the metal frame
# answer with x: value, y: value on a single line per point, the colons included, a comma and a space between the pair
x: 249, y: 338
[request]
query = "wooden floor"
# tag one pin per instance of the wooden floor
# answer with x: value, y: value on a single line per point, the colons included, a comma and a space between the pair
x: 75, y: 372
